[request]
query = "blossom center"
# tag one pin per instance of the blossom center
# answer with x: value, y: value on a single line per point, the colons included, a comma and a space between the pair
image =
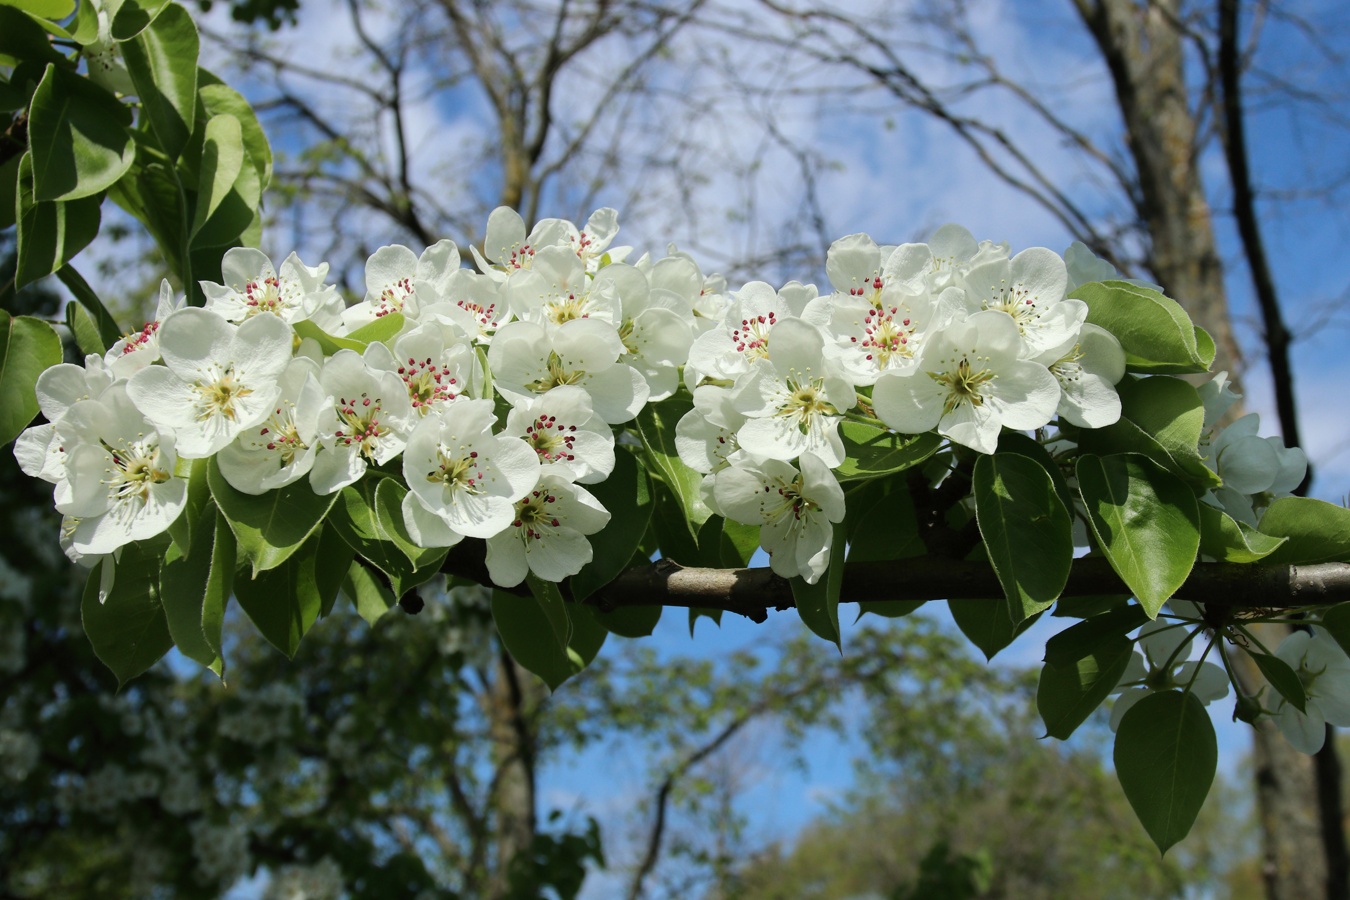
x: 1016, y: 301
x: 393, y: 297
x: 964, y: 385
x: 805, y: 401
x: 533, y: 514
x: 752, y: 337
x: 220, y: 397
x: 557, y: 374
x: 136, y: 466
x: 458, y: 471
x: 267, y: 295
x: 427, y: 383
x: 282, y: 435
x: 360, y: 418
x: 551, y: 440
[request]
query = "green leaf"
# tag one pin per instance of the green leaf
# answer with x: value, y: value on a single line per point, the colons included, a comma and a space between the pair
x: 1027, y: 532
x: 195, y: 587
x: 50, y: 233
x: 656, y: 427
x: 818, y: 604
x: 870, y: 451
x: 1317, y: 531
x: 28, y: 347
x: 1145, y: 520
x: 1161, y: 417
x: 79, y: 137
x: 1022, y: 445
x: 887, y: 529
x: 540, y: 634
x: 369, y: 517
x: 128, y: 630
x: 152, y: 194
x: 134, y: 16
x: 162, y: 61
x: 1070, y: 690
x: 47, y: 9
x: 1155, y: 332
x: 630, y: 621
x: 272, y: 526
x: 699, y: 612
x: 988, y: 624
x: 108, y: 332
x: 9, y: 191
x: 1165, y: 757
x: 1228, y: 540
x: 83, y: 329
x: 627, y: 496
x: 222, y: 160
x: 382, y: 329
x: 371, y: 597
x: 219, y: 98
x: 1282, y: 678
x: 1083, y: 638
x: 283, y: 602
x: 21, y: 38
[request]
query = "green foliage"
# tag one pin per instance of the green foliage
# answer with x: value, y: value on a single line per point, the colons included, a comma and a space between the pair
x: 1145, y: 521
x: 1155, y: 331
x: 1165, y: 756
x: 28, y: 347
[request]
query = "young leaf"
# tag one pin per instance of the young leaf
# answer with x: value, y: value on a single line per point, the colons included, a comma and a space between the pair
x: 1162, y: 419
x: 818, y: 604
x: 134, y: 16
x: 84, y: 330
x: 1069, y: 690
x: 219, y: 98
x: 371, y: 597
x: 79, y: 137
x: 1027, y: 532
x: 369, y: 517
x: 272, y: 526
x: 28, y: 347
x: 1165, y: 756
x: 1082, y: 639
x: 540, y: 634
x: 128, y: 630
x: 1145, y: 520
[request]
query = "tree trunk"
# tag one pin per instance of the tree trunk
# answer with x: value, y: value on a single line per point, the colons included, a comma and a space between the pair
x: 513, y: 756
x: 1143, y: 50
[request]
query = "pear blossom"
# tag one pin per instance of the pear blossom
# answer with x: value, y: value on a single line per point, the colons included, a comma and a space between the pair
x: 506, y: 246
x: 39, y: 453
x: 564, y: 432
x: 122, y: 484
x: 1324, y: 670
x: 794, y: 509
x: 794, y: 400
x: 954, y: 253
x: 527, y: 360
x: 591, y: 242
x: 556, y: 289
x: 217, y: 380
x: 462, y: 478
x: 139, y: 349
x: 281, y: 449
x: 367, y: 420
x: 1161, y: 662
x: 400, y: 281
x: 705, y: 437
x: 473, y: 303
x: 107, y: 69
x: 253, y: 286
x: 970, y: 382
x: 1254, y: 469
x: 656, y: 328
x: 1088, y: 366
x: 547, y: 535
x: 725, y: 352
x: 678, y: 283
x: 433, y: 360
x: 1030, y: 288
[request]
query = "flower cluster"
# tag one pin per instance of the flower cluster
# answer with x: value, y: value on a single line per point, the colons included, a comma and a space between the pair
x: 498, y: 391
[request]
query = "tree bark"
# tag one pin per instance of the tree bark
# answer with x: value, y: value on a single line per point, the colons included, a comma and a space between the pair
x: 513, y: 756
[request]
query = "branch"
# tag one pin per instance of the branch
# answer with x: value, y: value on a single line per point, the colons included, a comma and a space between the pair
x: 751, y: 592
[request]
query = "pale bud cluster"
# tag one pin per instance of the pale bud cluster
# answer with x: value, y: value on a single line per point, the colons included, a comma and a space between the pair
x: 498, y: 391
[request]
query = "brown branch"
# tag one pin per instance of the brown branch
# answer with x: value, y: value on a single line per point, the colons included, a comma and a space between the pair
x: 750, y: 592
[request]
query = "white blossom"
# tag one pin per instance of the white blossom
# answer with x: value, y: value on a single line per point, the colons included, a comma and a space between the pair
x: 1324, y: 670
x: 547, y: 535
